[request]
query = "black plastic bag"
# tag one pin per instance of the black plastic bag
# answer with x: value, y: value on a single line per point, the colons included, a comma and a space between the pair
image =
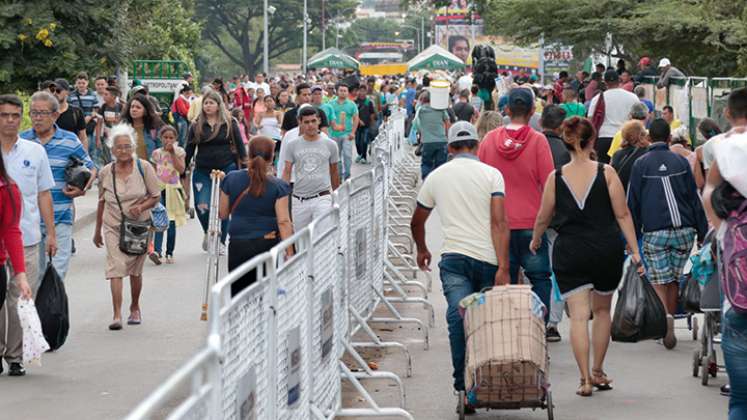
x: 690, y: 294
x: 639, y: 314
x: 51, y: 304
x: 76, y: 173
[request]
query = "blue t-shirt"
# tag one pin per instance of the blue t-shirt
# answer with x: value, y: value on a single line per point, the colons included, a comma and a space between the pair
x: 254, y: 217
x: 60, y: 148
x: 409, y: 97
x: 648, y: 103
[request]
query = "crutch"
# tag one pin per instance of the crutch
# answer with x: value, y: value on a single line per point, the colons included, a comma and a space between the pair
x: 213, y: 240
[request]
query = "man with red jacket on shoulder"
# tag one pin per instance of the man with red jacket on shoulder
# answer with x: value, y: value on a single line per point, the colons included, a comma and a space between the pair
x: 523, y: 156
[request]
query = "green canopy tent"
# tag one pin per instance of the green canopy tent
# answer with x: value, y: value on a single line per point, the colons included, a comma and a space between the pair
x: 332, y: 58
x: 435, y: 58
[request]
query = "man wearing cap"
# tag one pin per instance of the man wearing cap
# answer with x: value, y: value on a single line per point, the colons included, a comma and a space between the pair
x: 71, y: 118
x: 470, y: 199
x: 668, y: 72
x: 523, y: 156
x: 303, y: 96
x: 646, y: 70
x: 617, y: 105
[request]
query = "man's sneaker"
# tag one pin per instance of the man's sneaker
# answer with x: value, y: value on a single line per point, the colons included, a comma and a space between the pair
x: 552, y: 335
x: 670, y: 341
x: 358, y: 159
x: 468, y: 408
x: 204, y: 242
x: 16, y: 369
x: 364, y: 161
x: 725, y: 390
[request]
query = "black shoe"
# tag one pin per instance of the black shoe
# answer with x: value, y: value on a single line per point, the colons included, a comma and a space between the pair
x: 726, y: 390
x: 16, y: 369
x: 72, y: 249
x: 552, y: 335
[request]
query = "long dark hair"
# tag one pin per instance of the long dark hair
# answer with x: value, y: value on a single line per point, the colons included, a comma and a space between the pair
x: 151, y: 120
x: 261, y: 150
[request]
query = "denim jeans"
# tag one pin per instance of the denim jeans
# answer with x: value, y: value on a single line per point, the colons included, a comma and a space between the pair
x: 461, y: 276
x: 182, y: 126
x: 202, y: 187
x: 346, y: 156
x: 361, y: 142
x: 734, y: 346
x: 536, y: 266
x: 61, y: 260
x: 171, y: 232
x: 433, y: 156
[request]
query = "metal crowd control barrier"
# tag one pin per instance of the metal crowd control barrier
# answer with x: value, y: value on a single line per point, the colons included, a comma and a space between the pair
x: 274, y: 348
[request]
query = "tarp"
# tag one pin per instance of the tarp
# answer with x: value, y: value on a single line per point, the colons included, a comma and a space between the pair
x: 435, y: 58
x: 386, y: 69
x: 332, y: 58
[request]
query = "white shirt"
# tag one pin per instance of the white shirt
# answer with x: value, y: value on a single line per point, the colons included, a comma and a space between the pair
x: 462, y: 189
x: 28, y: 166
x: 617, y: 105
x: 264, y: 86
x: 465, y: 82
x: 290, y: 136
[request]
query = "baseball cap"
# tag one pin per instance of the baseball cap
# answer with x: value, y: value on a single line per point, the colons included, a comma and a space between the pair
x: 462, y: 130
x: 520, y: 96
x: 62, y: 84
x: 664, y: 62
x: 303, y: 106
x: 644, y: 61
x: 316, y: 88
x: 611, y: 76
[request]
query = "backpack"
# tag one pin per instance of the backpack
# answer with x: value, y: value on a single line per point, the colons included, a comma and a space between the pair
x: 734, y: 259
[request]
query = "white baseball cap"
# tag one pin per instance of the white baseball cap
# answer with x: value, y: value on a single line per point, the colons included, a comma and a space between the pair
x: 462, y: 130
x: 664, y: 62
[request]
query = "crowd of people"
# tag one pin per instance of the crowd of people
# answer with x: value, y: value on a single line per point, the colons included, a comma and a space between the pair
x: 548, y: 183
x: 552, y: 178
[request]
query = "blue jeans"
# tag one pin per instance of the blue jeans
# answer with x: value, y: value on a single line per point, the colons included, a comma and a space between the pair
x: 61, y: 260
x: 202, y: 187
x: 171, y: 232
x: 361, y: 142
x: 461, y: 276
x: 433, y: 156
x: 734, y: 346
x: 536, y: 266
x: 182, y: 127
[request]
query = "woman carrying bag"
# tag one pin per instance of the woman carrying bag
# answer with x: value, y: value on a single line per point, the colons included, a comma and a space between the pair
x: 128, y: 190
x: 214, y: 142
x: 11, y: 242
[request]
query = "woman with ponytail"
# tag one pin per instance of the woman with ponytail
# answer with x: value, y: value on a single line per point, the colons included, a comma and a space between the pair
x: 257, y: 204
x: 588, y: 202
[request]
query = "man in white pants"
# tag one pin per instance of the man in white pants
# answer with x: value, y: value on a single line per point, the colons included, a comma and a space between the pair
x: 313, y: 160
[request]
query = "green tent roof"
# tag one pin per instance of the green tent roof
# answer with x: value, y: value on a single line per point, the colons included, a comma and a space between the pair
x: 435, y: 58
x: 334, y: 59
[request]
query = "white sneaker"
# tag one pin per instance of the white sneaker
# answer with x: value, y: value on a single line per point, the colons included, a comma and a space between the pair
x: 670, y: 340
x: 222, y: 249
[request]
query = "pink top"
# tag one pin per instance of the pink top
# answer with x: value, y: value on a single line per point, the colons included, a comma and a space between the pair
x: 165, y: 170
x: 523, y: 157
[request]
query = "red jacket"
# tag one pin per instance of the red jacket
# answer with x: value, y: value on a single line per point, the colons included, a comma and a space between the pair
x: 11, y: 241
x: 523, y: 157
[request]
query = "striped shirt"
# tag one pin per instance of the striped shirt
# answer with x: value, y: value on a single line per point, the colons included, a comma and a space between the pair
x: 85, y: 101
x: 60, y: 148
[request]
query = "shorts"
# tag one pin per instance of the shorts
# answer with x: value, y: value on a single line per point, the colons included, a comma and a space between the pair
x: 665, y: 253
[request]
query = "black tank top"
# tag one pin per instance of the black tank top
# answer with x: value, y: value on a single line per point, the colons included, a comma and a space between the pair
x: 590, y: 216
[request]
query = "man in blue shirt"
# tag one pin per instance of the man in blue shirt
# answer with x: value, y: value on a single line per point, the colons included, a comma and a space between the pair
x: 61, y: 146
x: 85, y: 99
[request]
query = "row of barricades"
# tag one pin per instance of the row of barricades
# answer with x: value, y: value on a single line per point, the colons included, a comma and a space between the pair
x: 693, y: 99
x: 274, y: 350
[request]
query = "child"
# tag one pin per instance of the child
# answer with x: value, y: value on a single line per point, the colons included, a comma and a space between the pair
x: 169, y: 161
x: 239, y: 115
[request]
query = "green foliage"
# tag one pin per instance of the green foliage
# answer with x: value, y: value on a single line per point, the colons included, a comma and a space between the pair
x: 703, y: 37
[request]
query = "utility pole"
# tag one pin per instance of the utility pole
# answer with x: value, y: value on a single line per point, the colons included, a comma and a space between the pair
x: 266, y: 55
x: 324, y: 28
x: 305, y: 34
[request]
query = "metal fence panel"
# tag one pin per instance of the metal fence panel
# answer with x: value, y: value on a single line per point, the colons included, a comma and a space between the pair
x: 378, y: 230
x: 292, y: 311
x: 342, y: 200
x: 360, y: 247
x: 327, y: 312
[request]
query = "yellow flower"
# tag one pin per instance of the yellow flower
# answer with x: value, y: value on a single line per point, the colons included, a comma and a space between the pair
x: 48, y: 43
x: 53, y: 26
x: 22, y: 37
x: 42, y: 35
x: 28, y: 21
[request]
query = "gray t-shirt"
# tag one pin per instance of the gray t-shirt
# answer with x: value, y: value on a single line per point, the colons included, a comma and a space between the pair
x: 431, y: 122
x: 311, y: 160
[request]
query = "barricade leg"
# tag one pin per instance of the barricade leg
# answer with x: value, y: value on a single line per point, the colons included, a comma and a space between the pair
x: 404, y: 298
x: 367, y: 373
x: 399, y: 319
x: 376, y: 341
x: 374, y: 410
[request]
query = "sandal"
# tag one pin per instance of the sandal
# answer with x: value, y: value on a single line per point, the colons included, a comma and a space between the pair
x: 585, y: 389
x: 135, y: 321
x: 115, y: 326
x: 600, y: 381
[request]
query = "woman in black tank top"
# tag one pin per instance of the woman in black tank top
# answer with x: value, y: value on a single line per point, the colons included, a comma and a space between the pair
x: 585, y: 201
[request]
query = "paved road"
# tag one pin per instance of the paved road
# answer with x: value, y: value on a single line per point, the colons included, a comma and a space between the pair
x: 650, y: 382
x: 100, y: 374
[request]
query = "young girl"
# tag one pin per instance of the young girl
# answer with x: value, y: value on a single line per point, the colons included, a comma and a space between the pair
x: 239, y: 115
x: 169, y: 161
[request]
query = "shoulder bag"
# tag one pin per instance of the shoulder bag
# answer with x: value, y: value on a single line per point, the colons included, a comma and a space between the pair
x: 133, y: 234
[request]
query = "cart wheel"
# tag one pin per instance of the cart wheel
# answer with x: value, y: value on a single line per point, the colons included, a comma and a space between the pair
x: 461, y: 405
x: 695, y: 328
x: 704, y: 372
x: 713, y: 367
x: 550, y: 415
x: 696, y: 363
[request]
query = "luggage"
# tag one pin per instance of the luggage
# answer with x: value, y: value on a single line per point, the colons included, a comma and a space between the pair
x: 639, y: 314
x: 51, y: 305
x: 506, y: 357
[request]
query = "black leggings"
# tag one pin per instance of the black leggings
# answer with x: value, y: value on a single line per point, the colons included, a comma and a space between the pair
x: 241, y: 251
x: 3, y: 284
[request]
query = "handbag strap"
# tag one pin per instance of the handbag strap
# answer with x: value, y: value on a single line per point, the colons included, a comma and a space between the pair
x: 114, y: 183
x: 241, y: 195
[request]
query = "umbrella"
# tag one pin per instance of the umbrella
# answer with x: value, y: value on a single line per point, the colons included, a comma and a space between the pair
x: 334, y: 59
x: 435, y: 58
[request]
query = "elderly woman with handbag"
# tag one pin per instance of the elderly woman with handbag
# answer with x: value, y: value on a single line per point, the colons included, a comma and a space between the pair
x: 128, y: 190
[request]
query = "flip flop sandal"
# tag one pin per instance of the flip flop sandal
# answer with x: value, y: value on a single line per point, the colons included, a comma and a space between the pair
x: 134, y: 321
x: 115, y: 326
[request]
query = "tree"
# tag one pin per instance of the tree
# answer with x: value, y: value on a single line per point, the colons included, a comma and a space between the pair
x: 235, y: 26
x: 707, y: 37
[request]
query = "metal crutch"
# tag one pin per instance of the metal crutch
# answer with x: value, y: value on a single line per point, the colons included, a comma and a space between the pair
x: 213, y: 240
